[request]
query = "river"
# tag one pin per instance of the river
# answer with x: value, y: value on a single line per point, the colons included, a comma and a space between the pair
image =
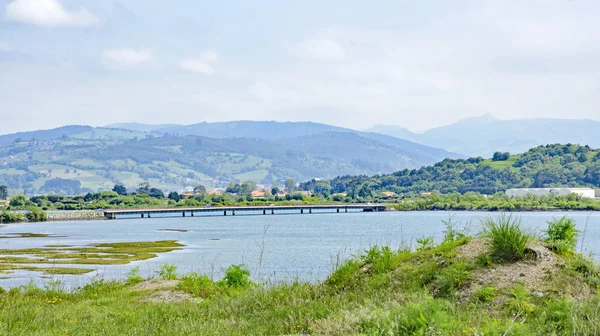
x: 274, y: 247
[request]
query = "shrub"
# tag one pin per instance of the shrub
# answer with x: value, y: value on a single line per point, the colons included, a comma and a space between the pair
x: 199, y: 285
x: 167, y: 272
x: 485, y: 294
x: 134, y: 277
x: 562, y: 235
x: 10, y: 217
x: 452, y: 278
x: 507, y: 238
x: 236, y: 276
x: 36, y: 214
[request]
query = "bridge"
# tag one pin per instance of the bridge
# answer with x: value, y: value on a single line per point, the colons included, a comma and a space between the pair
x: 232, y: 210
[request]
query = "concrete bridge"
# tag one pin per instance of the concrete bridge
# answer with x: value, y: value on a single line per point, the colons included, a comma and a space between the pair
x: 232, y: 210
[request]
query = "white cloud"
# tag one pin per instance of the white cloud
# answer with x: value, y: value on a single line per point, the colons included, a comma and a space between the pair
x: 48, y: 13
x: 322, y: 49
x: 128, y: 57
x: 203, y: 64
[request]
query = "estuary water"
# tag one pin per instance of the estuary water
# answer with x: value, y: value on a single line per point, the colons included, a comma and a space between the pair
x: 275, y: 248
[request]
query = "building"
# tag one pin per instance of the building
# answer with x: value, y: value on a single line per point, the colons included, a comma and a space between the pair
x: 4, y: 203
x: 597, y: 193
x: 259, y: 194
x: 520, y: 192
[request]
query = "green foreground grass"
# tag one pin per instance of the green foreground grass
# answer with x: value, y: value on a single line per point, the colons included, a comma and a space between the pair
x: 435, y: 289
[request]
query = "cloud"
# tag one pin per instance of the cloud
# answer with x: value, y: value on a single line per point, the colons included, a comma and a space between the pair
x: 321, y: 49
x: 204, y: 64
x: 128, y: 57
x: 48, y: 13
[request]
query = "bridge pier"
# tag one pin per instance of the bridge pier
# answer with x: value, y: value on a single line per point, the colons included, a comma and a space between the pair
x: 338, y: 210
x: 301, y: 211
x: 264, y: 212
x: 142, y: 215
x: 225, y: 213
x: 183, y: 214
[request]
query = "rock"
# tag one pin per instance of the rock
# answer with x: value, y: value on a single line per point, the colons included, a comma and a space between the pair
x: 537, y: 293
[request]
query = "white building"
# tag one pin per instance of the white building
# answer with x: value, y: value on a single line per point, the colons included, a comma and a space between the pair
x: 520, y: 192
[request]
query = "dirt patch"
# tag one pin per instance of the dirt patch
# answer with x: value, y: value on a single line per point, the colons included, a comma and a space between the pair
x: 170, y: 296
x: 156, y: 285
x: 532, y: 273
x: 473, y: 249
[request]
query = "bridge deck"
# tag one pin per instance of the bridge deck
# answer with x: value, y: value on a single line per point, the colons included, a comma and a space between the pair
x: 114, y: 213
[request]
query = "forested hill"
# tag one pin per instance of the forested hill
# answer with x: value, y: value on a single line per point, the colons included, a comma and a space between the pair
x: 544, y: 166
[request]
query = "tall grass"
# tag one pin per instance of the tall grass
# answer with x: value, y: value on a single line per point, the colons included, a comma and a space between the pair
x: 562, y: 235
x: 508, y: 238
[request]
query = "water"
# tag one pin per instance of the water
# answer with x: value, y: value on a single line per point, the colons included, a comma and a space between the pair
x: 304, y: 247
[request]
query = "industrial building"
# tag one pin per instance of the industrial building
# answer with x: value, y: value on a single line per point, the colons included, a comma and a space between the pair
x: 520, y: 192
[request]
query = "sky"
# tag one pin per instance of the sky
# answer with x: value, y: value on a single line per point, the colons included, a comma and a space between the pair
x: 416, y: 64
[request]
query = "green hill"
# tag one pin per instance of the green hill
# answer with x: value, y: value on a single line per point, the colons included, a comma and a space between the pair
x: 98, y: 158
x: 543, y: 166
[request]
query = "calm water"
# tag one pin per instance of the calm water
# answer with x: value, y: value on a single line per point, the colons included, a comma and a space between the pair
x: 304, y: 247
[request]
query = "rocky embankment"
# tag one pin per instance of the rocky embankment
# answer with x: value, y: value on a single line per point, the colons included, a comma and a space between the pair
x: 74, y: 215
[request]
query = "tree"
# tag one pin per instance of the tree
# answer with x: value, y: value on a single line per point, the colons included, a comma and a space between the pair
x: 3, y: 192
x: 200, y: 190
x: 290, y: 185
x: 499, y: 156
x: 246, y: 188
x: 120, y: 189
x: 274, y: 190
x: 143, y: 188
x: 18, y: 201
x: 174, y: 196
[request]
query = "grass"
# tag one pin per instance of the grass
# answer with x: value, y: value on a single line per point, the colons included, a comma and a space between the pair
x: 508, y: 238
x: 98, y: 254
x: 379, y: 292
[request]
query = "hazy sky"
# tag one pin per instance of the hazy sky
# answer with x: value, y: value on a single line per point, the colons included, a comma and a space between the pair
x: 417, y: 64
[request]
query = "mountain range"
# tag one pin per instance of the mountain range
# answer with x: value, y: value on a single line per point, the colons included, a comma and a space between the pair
x: 172, y: 157
x: 484, y: 135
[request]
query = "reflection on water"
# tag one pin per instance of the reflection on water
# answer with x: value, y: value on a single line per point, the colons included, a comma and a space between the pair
x: 305, y: 247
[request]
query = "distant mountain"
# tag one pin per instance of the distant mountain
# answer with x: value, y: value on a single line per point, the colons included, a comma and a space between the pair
x: 264, y: 152
x: 141, y: 127
x: 482, y: 136
x: 240, y: 129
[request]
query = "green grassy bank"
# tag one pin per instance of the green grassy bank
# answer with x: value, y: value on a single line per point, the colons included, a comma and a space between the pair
x: 506, y: 281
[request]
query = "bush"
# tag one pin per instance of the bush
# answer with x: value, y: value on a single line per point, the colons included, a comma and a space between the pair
x: 36, y: 214
x: 167, y: 272
x: 562, y: 235
x: 10, y: 217
x: 452, y: 278
x: 236, y: 276
x: 198, y: 285
x: 134, y: 276
x: 507, y: 237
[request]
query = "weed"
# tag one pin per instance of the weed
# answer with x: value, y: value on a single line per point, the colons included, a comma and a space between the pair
x: 134, y: 277
x: 519, y: 300
x: 485, y: 294
x: 507, y: 238
x: 198, y: 285
x: 167, y: 272
x: 236, y: 276
x: 484, y: 260
x: 425, y: 243
x: 452, y: 278
x: 562, y: 235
